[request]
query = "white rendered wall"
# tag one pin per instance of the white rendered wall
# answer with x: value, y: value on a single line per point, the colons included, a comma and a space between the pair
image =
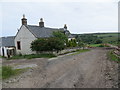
x: 25, y: 37
x: 5, y: 51
x: 0, y: 51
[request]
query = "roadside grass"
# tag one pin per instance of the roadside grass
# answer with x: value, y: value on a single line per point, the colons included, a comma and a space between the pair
x: 0, y: 72
x: 2, y: 57
x: 8, y: 72
x: 95, y: 45
x: 32, y: 56
x: 68, y: 52
x: 80, y: 51
x: 112, y: 57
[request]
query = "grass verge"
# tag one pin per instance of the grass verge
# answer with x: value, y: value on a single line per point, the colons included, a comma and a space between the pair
x: 7, y: 72
x: 98, y: 45
x: 95, y: 45
x: 33, y: 56
x: 112, y: 57
x: 0, y: 72
x: 80, y: 51
x: 2, y: 57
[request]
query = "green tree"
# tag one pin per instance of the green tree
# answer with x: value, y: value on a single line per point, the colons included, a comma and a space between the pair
x: 81, y: 45
x: 72, y: 43
x: 60, y: 35
x: 55, y: 44
x: 98, y: 41
x: 88, y: 38
x: 39, y: 45
x: 47, y: 44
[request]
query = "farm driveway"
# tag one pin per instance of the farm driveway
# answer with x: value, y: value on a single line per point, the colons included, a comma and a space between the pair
x: 85, y: 70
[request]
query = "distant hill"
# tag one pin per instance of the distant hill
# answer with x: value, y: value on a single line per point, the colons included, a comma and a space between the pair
x: 105, y: 37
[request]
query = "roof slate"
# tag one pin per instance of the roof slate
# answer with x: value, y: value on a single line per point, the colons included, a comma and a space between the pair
x: 42, y: 32
x: 37, y: 31
x: 7, y: 41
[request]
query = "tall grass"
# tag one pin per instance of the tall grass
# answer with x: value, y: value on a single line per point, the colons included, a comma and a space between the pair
x: 112, y: 57
x: 7, y: 72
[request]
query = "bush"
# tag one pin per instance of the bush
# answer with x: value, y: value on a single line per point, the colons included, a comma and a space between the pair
x: 98, y: 41
x: 81, y: 45
x: 101, y: 45
x: 47, y: 44
x: 60, y: 35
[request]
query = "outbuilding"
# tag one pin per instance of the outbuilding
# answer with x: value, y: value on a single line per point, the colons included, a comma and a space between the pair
x: 7, y: 46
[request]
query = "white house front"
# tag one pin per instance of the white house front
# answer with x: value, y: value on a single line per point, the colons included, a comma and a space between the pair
x: 20, y: 44
x: 23, y: 41
x: 28, y: 33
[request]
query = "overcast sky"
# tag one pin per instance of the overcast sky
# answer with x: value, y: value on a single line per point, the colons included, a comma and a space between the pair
x: 81, y: 16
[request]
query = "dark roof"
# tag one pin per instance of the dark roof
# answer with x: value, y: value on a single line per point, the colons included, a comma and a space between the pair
x: 7, y: 41
x: 42, y: 32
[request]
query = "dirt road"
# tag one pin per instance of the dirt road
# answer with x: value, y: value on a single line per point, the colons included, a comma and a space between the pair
x: 85, y: 70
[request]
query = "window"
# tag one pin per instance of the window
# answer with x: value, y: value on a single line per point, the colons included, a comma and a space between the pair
x: 18, y: 45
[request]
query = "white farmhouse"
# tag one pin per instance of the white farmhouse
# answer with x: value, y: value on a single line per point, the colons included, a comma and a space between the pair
x: 28, y: 33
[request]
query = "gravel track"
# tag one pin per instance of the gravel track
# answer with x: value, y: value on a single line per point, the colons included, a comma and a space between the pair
x: 85, y: 70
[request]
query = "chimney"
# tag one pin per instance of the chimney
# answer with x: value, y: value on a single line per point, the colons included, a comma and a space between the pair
x: 41, y: 23
x: 65, y: 27
x: 24, y: 20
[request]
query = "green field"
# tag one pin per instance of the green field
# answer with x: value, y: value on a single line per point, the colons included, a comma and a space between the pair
x: 106, y: 34
x: 111, y: 38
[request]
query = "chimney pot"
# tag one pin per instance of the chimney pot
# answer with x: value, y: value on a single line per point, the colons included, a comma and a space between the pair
x: 41, y: 23
x: 24, y: 20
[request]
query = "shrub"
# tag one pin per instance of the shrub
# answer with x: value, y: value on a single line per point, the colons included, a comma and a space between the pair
x: 98, y: 41
x: 47, y: 44
x: 101, y: 45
